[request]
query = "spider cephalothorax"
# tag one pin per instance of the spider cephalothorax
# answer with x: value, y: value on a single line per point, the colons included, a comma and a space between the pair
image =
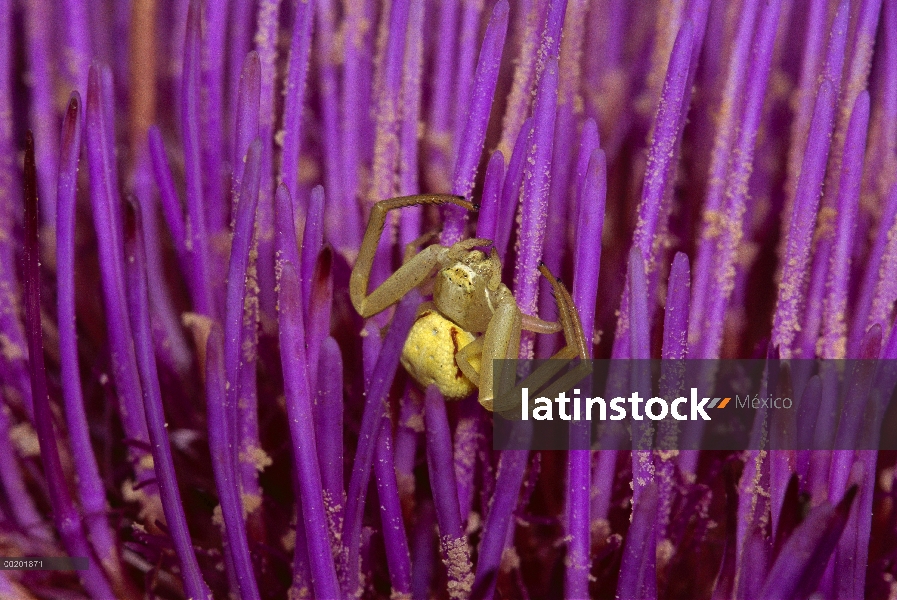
x: 468, y: 298
x: 468, y: 291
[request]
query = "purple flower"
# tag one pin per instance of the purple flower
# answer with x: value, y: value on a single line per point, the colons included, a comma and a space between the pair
x: 189, y: 400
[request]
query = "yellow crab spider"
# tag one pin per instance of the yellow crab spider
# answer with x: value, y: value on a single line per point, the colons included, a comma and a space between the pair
x: 473, y: 318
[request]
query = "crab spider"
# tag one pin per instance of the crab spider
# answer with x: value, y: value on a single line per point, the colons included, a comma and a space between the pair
x: 473, y: 318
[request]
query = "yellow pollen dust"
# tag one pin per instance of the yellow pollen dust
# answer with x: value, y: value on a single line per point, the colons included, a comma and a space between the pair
x: 429, y: 355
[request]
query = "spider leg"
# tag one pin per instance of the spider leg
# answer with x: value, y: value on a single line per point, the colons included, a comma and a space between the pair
x: 496, y: 268
x: 575, y: 348
x: 413, y: 247
x: 462, y: 358
x: 569, y: 316
x: 410, y: 275
x: 459, y: 249
x: 501, y: 341
x: 476, y: 347
x: 537, y: 325
x: 406, y: 278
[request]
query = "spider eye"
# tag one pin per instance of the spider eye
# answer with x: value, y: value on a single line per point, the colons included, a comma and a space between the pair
x: 460, y: 275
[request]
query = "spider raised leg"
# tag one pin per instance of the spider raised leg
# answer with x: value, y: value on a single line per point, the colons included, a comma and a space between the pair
x: 411, y: 274
x: 473, y: 318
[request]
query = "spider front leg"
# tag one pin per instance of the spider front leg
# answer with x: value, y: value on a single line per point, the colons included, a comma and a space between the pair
x: 410, y: 275
x: 501, y: 341
x: 575, y: 348
x: 413, y: 247
x: 569, y: 318
x: 536, y: 381
x: 465, y: 359
x: 504, y: 342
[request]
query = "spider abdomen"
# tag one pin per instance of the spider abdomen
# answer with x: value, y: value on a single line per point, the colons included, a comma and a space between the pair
x: 461, y: 295
x: 429, y: 354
